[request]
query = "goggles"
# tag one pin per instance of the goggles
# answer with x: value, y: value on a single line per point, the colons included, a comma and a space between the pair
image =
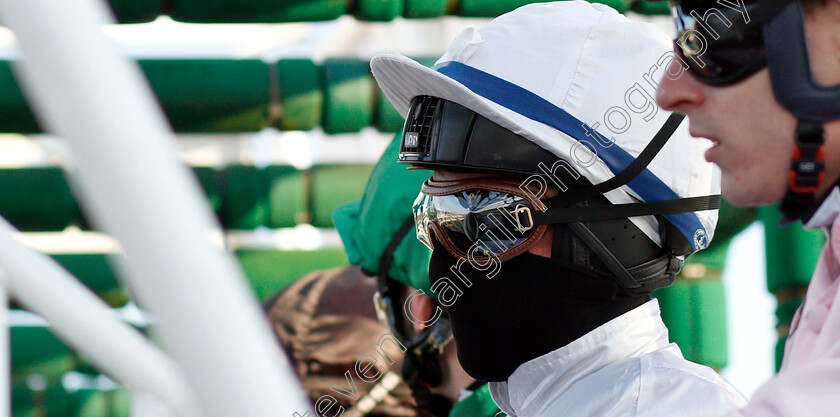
x: 477, y: 219
x: 722, y: 45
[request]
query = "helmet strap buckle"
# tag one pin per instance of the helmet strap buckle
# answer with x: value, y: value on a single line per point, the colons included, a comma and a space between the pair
x: 806, y: 170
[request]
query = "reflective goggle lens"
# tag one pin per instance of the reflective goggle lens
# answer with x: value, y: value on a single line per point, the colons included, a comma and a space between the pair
x: 493, y: 222
x: 723, y: 49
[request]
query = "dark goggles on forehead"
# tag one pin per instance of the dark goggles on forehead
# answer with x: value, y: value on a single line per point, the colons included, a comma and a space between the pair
x: 723, y: 42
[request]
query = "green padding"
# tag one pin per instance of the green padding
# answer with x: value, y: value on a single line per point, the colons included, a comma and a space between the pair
x: 334, y: 185
x: 731, y: 221
x: 96, y: 403
x: 211, y: 95
x: 489, y: 8
x: 136, y: 11
x: 270, y: 270
x: 244, y: 204
x: 651, y: 7
x: 493, y: 8
x: 94, y: 270
x: 791, y: 251
x: 301, y: 95
x: 349, y: 95
x: 379, y: 10
x: 51, y: 402
x: 35, y: 350
x: 15, y: 115
x: 286, y: 197
x: 713, y: 258
x: 209, y: 180
x: 620, y: 5
x: 786, y: 310
x: 780, y: 352
x: 256, y: 11
x: 387, y: 118
x: 254, y: 197
x: 36, y: 199
x: 695, y: 312
x: 425, y: 8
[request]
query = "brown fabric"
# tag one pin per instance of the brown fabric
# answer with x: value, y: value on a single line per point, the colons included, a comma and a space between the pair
x: 326, y: 322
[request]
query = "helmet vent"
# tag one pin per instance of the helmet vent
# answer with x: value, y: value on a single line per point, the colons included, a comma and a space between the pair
x: 417, y: 133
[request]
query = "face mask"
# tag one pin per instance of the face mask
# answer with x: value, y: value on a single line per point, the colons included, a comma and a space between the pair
x: 507, y: 313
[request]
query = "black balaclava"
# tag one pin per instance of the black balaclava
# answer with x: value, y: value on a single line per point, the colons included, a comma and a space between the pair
x: 531, y: 306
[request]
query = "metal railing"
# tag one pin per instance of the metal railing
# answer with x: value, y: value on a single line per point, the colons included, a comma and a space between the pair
x: 218, y: 339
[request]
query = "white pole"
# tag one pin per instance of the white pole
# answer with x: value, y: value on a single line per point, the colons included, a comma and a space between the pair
x: 5, y: 348
x: 145, y: 405
x: 138, y: 191
x: 87, y: 324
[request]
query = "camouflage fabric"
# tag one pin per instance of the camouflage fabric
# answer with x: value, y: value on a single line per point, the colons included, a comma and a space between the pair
x: 326, y: 322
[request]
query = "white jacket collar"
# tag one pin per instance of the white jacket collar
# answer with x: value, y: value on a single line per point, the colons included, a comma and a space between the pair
x: 634, y: 333
x: 826, y: 212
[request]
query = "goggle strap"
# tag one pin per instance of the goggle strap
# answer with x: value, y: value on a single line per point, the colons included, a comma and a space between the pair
x: 618, y: 211
x: 631, y: 171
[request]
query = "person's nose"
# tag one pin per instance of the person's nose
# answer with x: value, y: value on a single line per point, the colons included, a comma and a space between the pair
x: 680, y: 91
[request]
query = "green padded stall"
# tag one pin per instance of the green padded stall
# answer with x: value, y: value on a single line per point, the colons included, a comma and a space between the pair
x: 15, y: 114
x: 36, y: 351
x: 99, y: 403
x: 36, y: 199
x: 378, y: 10
x: 651, y: 7
x: 209, y: 179
x: 334, y: 185
x: 253, y: 197
x: 425, y: 8
x: 95, y: 271
x: 256, y: 11
x: 286, y: 196
x: 301, y: 96
x: 244, y: 202
x: 53, y: 401
x: 136, y: 11
x: 387, y: 119
x: 493, y: 8
x: 695, y: 312
x: 348, y: 95
x: 269, y: 270
x: 791, y: 254
x: 791, y: 251
x: 211, y: 95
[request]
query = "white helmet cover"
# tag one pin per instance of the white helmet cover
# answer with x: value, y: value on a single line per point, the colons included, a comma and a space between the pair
x: 551, y: 72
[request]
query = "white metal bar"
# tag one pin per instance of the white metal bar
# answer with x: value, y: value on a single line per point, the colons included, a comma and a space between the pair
x: 5, y: 347
x: 88, y: 325
x: 138, y: 191
x: 145, y: 405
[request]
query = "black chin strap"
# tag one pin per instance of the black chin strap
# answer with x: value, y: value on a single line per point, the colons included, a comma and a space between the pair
x: 806, y: 172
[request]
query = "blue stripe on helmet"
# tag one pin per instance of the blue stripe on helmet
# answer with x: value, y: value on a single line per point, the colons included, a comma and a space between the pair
x: 511, y: 96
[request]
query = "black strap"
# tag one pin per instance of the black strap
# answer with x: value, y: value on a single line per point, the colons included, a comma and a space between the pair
x: 388, y: 254
x: 806, y: 172
x: 632, y: 171
x: 620, y: 211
